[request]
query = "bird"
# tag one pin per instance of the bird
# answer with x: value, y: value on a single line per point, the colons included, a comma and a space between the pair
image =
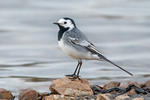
x: 76, y: 45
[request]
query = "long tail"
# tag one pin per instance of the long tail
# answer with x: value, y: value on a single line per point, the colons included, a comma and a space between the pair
x: 104, y: 58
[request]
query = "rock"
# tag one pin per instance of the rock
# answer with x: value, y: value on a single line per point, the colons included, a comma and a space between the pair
x: 28, y: 94
x: 147, y: 89
x: 126, y: 85
x: 135, y: 83
x: 4, y: 94
x: 132, y: 91
x: 106, y: 96
x: 139, y: 98
x: 96, y: 89
x: 51, y: 97
x: 58, y: 97
x: 66, y: 86
x: 122, y: 97
x: 111, y: 85
x: 63, y: 97
x: 147, y: 83
x: 42, y: 95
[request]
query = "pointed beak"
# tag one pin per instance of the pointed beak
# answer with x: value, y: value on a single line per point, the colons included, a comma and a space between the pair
x: 56, y: 23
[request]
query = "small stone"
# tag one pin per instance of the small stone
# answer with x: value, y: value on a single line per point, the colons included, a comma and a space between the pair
x: 111, y: 85
x: 135, y: 83
x: 66, y: 86
x: 131, y: 92
x: 147, y: 83
x: 122, y: 97
x: 106, y: 96
x: 42, y: 95
x: 140, y: 98
x: 58, y: 97
x: 28, y: 94
x: 51, y: 97
x: 4, y: 94
x: 129, y: 83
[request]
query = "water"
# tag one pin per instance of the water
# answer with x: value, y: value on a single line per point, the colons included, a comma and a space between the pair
x: 30, y: 57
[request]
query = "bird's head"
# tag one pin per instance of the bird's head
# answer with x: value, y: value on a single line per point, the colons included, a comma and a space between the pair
x: 65, y: 23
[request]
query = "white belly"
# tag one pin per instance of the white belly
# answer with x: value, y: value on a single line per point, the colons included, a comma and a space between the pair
x: 72, y: 52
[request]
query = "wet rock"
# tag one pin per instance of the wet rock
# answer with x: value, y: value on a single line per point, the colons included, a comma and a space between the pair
x: 132, y: 91
x: 58, y: 97
x: 66, y: 86
x: 5, y: 95
x: 96, y: 89
x: 140, y: 98
x: 135, y: 83
x: 129, y: 83
x: 111, y: 85
x: 28, y: 94
x: 122, y: 97
x: 147, y: 89
x: 106, y: 96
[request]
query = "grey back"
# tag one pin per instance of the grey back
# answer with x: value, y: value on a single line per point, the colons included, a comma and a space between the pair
x: 75, y: 33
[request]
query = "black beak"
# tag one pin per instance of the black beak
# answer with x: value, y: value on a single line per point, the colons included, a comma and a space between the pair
x: 56, y: 23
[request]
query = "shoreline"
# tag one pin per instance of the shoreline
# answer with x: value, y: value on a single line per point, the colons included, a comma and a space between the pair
x: 80, y: 89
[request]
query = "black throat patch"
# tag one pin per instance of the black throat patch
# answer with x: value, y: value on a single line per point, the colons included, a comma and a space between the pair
x: 61, y: 32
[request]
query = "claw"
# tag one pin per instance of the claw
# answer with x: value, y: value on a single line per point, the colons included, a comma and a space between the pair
x: 73, y: 76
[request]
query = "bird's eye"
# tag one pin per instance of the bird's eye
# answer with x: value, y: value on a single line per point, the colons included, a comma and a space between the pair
x: 65, y: 22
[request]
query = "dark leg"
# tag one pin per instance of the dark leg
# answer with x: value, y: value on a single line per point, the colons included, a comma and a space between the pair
x: 80, y: 62
x: 74, y: 74
x: 76, y: 68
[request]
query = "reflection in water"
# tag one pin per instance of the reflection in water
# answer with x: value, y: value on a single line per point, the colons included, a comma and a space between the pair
x: 146, y: 75
x: 33, y: 79
x: 30, y: 58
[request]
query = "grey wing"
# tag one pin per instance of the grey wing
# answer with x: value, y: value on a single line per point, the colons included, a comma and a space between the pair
x: 86, y: 44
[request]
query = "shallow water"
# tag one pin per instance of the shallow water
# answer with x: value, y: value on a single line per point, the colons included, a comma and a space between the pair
x: 30, y: 57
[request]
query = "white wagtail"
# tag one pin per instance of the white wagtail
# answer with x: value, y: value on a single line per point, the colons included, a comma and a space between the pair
x: 75, y: 44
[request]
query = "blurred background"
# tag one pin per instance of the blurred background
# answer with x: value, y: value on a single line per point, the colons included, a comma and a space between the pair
x: 30, y: 57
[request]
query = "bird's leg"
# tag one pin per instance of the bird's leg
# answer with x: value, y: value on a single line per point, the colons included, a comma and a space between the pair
x: 80, y: 64
x: 74, y: 74
x: 76, y: 68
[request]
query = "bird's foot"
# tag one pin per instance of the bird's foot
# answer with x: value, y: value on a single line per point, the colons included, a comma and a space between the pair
x: 73, y: 76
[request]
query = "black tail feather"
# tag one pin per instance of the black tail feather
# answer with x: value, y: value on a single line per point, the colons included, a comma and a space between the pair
x: 102, y: 57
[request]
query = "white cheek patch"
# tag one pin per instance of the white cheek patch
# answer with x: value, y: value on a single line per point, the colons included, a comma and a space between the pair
x: 70, y: 25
